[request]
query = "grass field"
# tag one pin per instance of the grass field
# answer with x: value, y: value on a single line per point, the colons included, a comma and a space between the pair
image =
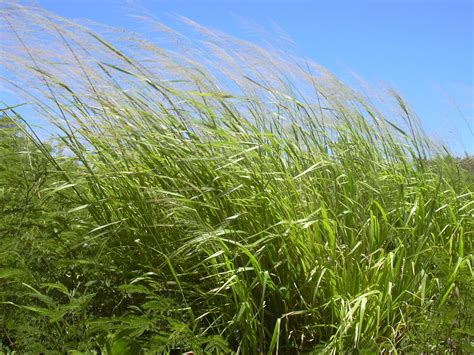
x: 215, y: 196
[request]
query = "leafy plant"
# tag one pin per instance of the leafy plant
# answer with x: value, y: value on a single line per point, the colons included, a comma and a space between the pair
x: 223, y: 197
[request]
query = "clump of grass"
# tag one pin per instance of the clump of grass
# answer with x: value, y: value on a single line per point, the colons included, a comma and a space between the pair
x: 229, y: 196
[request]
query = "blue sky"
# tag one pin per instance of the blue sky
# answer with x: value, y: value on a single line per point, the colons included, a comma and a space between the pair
x: 422, y: 48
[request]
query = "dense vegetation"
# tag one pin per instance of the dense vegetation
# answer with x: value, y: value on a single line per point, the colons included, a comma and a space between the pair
x: 219, y: 197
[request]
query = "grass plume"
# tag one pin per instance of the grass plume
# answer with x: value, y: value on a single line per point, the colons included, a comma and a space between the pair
x: 215, y: 195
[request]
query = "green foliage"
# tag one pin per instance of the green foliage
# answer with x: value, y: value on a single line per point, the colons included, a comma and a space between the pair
x: 232, y: 203
x: 21, y: 176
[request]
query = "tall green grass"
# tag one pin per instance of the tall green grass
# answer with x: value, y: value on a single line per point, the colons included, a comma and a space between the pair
x: 215, y: 195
